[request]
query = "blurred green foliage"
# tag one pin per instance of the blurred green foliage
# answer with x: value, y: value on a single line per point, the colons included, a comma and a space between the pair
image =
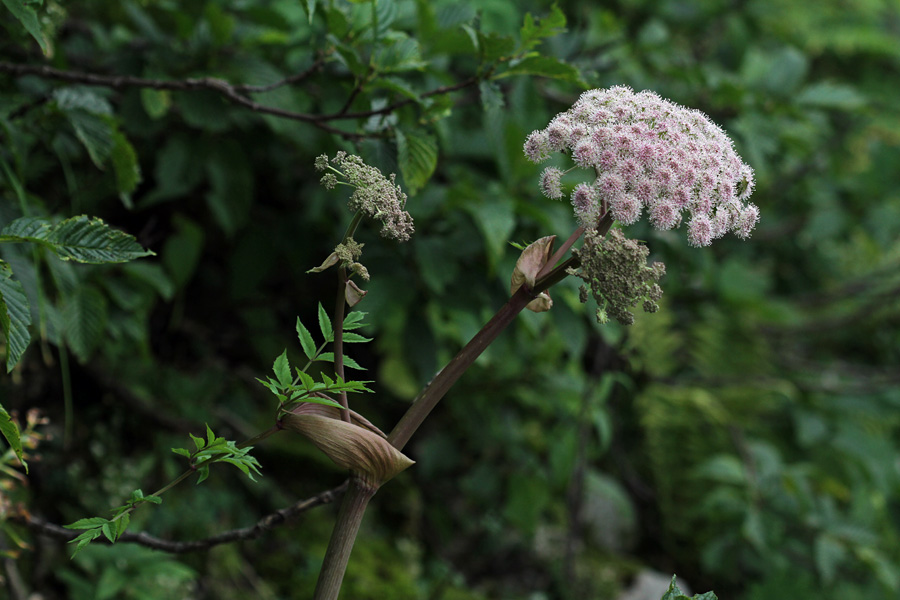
x: 745, y: 437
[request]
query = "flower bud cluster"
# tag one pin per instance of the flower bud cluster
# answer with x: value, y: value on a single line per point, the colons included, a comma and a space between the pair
x: 615, y: 269
x: 375, y: 195
x: 649, y: 155
x: 349, y: 253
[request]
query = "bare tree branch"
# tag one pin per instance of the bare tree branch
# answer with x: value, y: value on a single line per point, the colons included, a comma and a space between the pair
x: 204, y: 83
x: 232, y: 92
x: 268, y: 522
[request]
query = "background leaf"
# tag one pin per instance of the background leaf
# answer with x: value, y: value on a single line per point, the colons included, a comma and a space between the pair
x: 417, y: 155
x: 28, y: 17
x: 15, y: 316
x: 81, y: 239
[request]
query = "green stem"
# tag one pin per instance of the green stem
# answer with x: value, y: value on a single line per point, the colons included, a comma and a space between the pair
x: 338, y: 320
x: 340, y: 546
x: 338, y: 329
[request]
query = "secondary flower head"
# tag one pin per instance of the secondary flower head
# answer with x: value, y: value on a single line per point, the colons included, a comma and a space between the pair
x: 615, y: 272
x: 374, y: 195
x: 649, y: 154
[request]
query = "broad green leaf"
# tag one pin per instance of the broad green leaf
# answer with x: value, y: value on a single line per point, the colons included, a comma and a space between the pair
x: 831, y: 95
x: 84, y: 315
x: 325, y: 324
x: 397, y: 85
x: 310, y: 7
x: 156, y: 103
x: 306, y: 340
x: 402, y: 55
x: 153, y: 275
x: 15, y: 316
x: 128, y: 170
x: 80, y: 238
x: 545, y: 66
x: 221, y: 24
x: 417, y: 155
x: 495, y: 217
x: 27, y: 16
x: 95, y: 132
x: 10, y: 431
x: 494, y: 46
x: 282, y: 370
x: 72, y: 99
x: 205, y: 110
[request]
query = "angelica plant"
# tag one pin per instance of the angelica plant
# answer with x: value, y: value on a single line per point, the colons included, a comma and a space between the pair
x: 643, y: 155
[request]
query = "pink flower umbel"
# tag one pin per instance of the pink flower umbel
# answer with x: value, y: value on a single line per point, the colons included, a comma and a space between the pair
x: 649, y: 156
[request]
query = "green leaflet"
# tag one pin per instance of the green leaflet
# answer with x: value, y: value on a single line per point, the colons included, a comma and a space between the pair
x: 15, y: 316
x: 80, y: 238
x: 674, y: 593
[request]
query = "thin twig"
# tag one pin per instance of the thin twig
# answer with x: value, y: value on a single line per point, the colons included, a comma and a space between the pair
x: 401, y: 103
x: 270, y: 521
x: 258, y: 89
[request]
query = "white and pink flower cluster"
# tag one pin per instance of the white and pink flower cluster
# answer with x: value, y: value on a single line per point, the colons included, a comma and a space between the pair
x: 649, y: 154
